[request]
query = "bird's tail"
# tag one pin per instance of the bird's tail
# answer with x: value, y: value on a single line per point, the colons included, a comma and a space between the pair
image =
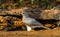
x: 42, y: 27
x: 45, y: 27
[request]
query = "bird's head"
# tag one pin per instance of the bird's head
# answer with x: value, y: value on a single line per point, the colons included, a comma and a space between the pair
x: 24, y: 13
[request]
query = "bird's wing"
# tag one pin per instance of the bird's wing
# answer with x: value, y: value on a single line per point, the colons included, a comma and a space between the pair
x: 33, y: 21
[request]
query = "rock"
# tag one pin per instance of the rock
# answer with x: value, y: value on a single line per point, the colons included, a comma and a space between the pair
x: 44, y: 14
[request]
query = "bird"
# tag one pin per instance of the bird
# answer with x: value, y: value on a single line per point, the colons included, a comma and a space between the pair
x: 31, y: 22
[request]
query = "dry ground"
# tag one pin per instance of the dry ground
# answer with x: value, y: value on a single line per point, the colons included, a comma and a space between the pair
x: 41, y: 33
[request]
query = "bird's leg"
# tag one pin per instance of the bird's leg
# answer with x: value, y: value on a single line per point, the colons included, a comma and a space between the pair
x: 28, y: 27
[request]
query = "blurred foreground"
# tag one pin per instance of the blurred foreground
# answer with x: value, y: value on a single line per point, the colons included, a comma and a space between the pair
x: 42, y: 33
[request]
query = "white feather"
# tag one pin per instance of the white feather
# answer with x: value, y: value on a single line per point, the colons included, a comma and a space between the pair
x: 28, y: 28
